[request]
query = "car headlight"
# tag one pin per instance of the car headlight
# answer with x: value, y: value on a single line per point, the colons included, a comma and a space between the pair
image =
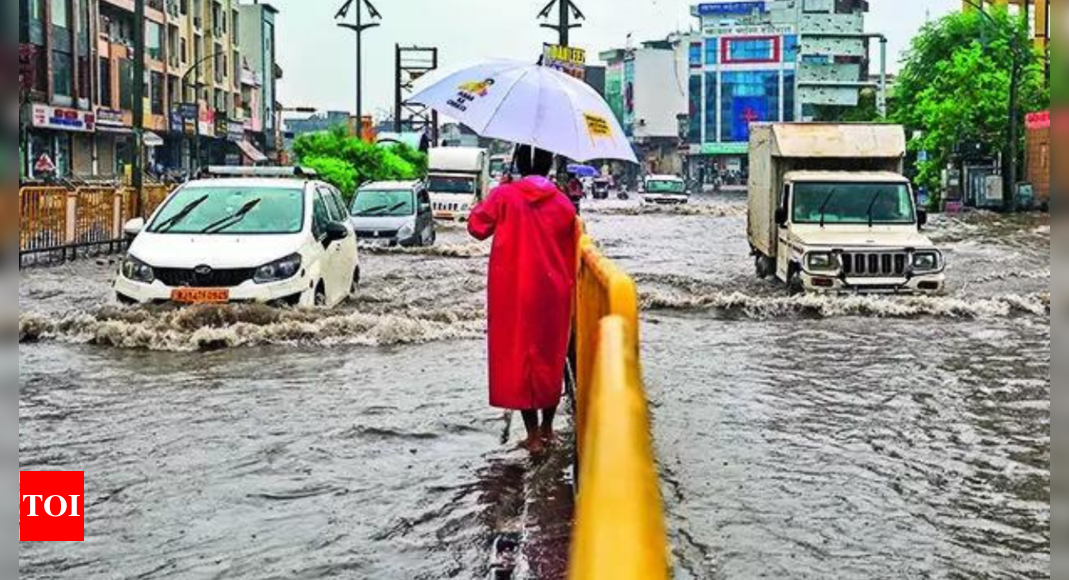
x: 926, y: 261
x: 406, y: 231
x: 279, y: 270
x: 137, y: 271
x: 821, y: 261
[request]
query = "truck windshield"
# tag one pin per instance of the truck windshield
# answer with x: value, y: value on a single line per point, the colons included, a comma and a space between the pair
x: 497, y: 167
x: 275, y: 211
x: 456, y: 185
x: 665, y: 186
x: 853, y: 203
x: 384, y: 203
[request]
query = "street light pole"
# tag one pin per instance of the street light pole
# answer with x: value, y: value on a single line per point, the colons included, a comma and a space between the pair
x: 137, y: 180
x: 195, y: 166
x: 567, y: 11
x: 1010, y: 201
x: 359, y: 28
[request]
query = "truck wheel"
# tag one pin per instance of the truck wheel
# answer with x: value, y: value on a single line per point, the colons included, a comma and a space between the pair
x: 795, y: 287
x: 765, y: 267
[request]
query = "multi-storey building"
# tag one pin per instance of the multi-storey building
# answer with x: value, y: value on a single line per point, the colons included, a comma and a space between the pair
x: 1038, y: 12
x: 79, y: 84
x: 258, y: 50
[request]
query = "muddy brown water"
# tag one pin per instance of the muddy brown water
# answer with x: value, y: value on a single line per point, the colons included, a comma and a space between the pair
x: 816, y: 437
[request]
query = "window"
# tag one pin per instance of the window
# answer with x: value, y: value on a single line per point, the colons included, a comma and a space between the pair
x: 711, y: 85
x: 277, y: 211
x: 320, y: 216
x: 126, y: 85
x: 235, y: 28
x: 154, y: 41
x: 788, y: 96
x: 105, y: 83
x: 694, y: 133
x: 156, y: 93
x: 790, y: 48
x: 60, y: 16
x: 696, y: 55
x: 746, y: 98
x: 335, y: 207
x: 62, y: 73
x: 383, y: 203
x: 853, y: 203
x: 752, y: 50
x: 185, y: 7
x: 184, y: 50
x: 712, y: 50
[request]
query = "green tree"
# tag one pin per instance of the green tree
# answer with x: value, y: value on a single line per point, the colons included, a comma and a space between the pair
x: 955, y: 86
x: 346, y: 162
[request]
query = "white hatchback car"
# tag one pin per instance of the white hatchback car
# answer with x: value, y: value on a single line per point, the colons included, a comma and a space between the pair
x: 285, y: 240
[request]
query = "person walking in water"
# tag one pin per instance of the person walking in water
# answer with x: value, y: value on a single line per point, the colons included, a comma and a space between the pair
x: 530, y: 289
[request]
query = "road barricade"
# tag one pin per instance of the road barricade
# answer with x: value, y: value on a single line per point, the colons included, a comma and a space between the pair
x: 619, y: 530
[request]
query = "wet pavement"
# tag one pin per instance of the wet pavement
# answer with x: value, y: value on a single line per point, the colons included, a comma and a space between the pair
x: 813, y: 437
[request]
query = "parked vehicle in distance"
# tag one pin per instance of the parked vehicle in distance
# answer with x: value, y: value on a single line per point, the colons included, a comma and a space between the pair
x: 457, y: 179
x: 664, y: 189
x: 830, y: 211
x: 601, y: 188
x: 499, y: 166
x: 270, y: 235
x: 394, y: 213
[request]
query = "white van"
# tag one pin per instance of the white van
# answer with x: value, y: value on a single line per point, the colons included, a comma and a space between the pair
x: 458, y: 178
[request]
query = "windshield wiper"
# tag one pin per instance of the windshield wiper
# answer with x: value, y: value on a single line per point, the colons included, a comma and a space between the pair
x: 385, y: 210
x: 824, y: 206
x: 182, y: 214
x: 373, y: 210
x: 232, y: 220
x: 872, y: 204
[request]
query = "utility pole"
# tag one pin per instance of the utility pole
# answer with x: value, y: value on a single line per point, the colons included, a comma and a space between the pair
x: 359, y: 28
x: 137, y: 166
x: 567, y: 10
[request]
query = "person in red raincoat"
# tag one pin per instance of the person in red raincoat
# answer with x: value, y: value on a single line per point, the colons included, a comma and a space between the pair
x: 531, y: 283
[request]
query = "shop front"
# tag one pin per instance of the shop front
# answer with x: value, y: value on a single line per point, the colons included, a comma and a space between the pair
x: 58, y: 138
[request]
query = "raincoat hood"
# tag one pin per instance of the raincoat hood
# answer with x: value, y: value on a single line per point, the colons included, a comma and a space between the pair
x: 537, y: 189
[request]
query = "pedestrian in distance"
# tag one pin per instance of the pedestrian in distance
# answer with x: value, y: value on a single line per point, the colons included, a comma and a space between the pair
x: 575, y: 193
x: 531, y: 282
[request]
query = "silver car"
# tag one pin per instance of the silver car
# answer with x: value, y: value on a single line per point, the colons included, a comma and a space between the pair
x: 394, y: 213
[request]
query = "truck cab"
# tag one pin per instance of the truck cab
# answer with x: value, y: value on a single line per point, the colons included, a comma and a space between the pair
x: 458, y: 178
x: 843, y: 218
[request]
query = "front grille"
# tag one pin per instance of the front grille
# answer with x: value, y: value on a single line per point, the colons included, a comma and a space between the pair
x: 377, y: 235
x: 183, y: 278
x: 875, y: 264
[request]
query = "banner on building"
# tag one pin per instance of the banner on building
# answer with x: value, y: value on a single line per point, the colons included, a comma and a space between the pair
x: 731, y: 8
x: 60, y: 119
x: 568, y: 60
x: 184, y: 119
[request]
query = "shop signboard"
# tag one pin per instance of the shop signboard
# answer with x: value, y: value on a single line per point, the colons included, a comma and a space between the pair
x: 731, y: 8
x: 235, y: 131
x: 60, y: 119
x: 570, y: 61
x: 207, y: 122
x: 110, y: 119
x: 725, y: 148
x: 184, y: 119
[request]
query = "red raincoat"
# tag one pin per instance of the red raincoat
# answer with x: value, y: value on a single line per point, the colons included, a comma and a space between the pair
x: 532, y: 277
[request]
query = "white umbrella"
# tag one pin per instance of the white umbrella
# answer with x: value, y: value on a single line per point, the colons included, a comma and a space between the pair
x: 530, y: 104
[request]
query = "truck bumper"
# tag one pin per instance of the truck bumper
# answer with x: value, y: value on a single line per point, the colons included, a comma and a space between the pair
x: 820, y: 284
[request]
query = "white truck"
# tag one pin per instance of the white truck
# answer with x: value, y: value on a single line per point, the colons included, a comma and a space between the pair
x: 457, y: 179
x: 830, y: 211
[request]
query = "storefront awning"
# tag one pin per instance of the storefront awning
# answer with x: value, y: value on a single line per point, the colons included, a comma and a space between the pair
x: 251, y: 152
x: 152, y: 140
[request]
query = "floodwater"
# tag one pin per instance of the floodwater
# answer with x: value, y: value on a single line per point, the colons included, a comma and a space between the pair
x: 806, y: 437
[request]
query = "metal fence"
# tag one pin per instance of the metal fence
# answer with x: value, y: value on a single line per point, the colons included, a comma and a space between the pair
x: 619, y: 528
x: 63, y: 223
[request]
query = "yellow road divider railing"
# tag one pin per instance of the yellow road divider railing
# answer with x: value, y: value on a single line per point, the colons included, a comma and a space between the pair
x: 619, y: 531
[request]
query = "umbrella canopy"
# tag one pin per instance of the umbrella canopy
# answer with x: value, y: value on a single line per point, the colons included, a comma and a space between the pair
x: 530, y: 104
x: 583, y: 171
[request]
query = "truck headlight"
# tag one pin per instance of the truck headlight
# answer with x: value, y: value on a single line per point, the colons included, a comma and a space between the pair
x: 926, y: 261
x: 137, y: 271
x: 821, y: 261
x: 278, y: 270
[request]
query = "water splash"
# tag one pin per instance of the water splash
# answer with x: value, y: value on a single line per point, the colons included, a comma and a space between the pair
x: 702, y: 210
x: 220, y: 327
x: 462, y: 250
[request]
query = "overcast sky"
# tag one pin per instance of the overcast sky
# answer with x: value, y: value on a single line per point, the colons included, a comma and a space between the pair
x: 318, y: 58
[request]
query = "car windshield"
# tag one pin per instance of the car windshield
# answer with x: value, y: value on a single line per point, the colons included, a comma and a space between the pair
x: 266, y: 211
x: 373, y: 203
x: 665, y: 186
x: 853, y: 203
x: 457, y: 185
x: 497, y: 167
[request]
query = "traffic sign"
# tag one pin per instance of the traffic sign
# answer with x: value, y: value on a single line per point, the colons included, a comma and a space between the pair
x: 44, y: 164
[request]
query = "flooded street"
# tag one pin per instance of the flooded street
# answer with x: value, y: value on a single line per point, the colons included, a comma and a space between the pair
x: 813, y: 437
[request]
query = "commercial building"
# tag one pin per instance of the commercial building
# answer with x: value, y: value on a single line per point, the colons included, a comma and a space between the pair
x: 77, y: 81
x: 258, y: 48
x: 760, y: 61
x: 1038, y: 12
x: 648, y: 92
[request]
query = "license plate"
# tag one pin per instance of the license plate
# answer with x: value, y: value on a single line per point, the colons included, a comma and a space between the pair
x: 200, y: 295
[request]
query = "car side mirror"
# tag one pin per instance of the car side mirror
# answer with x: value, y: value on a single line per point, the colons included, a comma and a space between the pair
x: 922, y: 218
x: 336, y: 231
x: 134, y: 227
x: 781, y: 216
